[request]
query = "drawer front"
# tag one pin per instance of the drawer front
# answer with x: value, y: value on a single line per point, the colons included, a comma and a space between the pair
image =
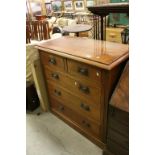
x: 82, y: 122
x: 114, y: 37
x: 74, y: 103
x: 55, y: 76
x: 52, y: 61
x: 80, y: 89
x: 85, y: 91
x: 85, y: 72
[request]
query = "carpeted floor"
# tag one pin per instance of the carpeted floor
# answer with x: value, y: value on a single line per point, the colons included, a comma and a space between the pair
x: 48, y: 135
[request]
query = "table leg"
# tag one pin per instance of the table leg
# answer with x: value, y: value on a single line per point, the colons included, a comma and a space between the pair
x: 77, y: 34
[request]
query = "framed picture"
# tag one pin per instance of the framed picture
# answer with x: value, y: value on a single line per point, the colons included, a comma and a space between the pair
x: 48, y: 8
x: 56, y: 5
x: 68, y: 5
x: 79, y: 5
x: 36, y: 8
x: 90, y: 3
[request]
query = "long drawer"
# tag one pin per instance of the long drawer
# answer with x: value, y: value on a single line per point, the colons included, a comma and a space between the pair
x: 82, y: 122
x: 91, y: 111
x: 79, y: 88
x: 52, y: 61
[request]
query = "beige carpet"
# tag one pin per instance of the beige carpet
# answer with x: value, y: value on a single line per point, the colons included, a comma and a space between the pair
x: 48, y: 135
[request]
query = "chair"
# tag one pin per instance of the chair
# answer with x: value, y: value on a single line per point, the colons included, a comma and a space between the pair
x: 37, y: 30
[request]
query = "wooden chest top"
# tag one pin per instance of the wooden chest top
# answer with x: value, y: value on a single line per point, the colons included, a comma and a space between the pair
x: 99, y: 53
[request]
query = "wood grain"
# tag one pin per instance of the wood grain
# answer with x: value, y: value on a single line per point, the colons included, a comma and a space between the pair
x: 120, y: 97
x: 95, y: 52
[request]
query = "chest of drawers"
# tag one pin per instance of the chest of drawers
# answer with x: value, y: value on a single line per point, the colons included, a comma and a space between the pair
x: 114, y: 34
x: 80, y: 75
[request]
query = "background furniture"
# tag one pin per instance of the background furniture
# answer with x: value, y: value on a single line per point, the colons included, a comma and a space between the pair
x: 104, y: 10
x: 118, y: 18
x: 80, y: 75
x: 37, y: 30
x: 114, y: 34
x: 32, y: 100
x: 118, y: 117
x: 77, y: 28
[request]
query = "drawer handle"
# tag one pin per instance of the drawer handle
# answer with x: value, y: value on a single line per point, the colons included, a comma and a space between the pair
x: 83, y: 71
x: 61, y: 108
x: 84, y: 89
x: 58, y: 93
x: 52, y: 61
x: 86, y: 124
x: 55, y: 76
x: 85, y: 107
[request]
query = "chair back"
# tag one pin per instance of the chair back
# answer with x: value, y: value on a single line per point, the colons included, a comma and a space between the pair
x: 37, y: 30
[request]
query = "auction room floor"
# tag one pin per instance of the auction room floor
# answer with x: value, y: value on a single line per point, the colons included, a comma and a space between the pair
x: 48, y: 135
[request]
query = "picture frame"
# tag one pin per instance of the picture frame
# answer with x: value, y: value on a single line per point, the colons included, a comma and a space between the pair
x: 36, y: 8
x: 68, y: 5
x: 79, y: 5
x: 48, y: 7
x: 56, y: 5
x: 90, y: 3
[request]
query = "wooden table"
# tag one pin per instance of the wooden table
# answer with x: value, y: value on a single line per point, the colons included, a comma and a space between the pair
x: 77, y: 28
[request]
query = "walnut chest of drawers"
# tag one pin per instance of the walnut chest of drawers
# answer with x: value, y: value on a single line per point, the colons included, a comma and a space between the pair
x: 80, y: 76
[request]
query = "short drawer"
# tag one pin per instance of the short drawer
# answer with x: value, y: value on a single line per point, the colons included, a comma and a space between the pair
x: 84, y: 71
x: 55, y: 76
x: 82, y: 122
x: 52, y: 61
x: 114, y: 37
x: 114, y: 34
x: 80, y: 106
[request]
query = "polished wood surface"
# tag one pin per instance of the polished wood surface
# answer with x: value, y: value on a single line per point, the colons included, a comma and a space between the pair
x: 120, y: 97
x: 103, y: 54
x: 84, y: 71
x: 83, y: 122
x: 87, y: 109
x: 78, y: 89
x: 53, y: 61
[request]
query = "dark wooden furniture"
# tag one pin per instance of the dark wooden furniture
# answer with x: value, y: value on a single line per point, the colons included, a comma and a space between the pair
x: 80, y: 76
x: 77, y: 28
x: 40, y: 17
x: 32, y: 100
x: 37, y: 30
x: 104, y: 10
x: 118, y: 118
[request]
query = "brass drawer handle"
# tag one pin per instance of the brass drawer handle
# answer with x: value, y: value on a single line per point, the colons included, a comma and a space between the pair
x: 52, y: 61
x: 84, y: 89
x: 58, y: 93
x: 83, y: 71
x: 85, y: 107
x: 55, y: 76
x: 86, y: 124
